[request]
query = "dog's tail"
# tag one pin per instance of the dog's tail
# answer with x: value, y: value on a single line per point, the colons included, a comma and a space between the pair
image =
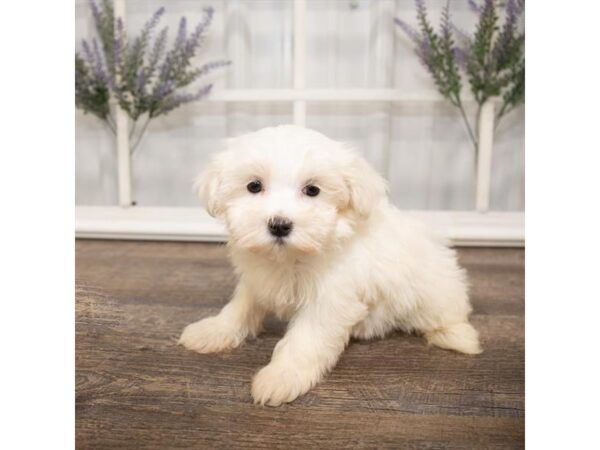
x: 461, y: 337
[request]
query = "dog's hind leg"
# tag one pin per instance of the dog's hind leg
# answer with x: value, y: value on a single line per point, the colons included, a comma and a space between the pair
x: 376, y: 325
x: 460, y: 337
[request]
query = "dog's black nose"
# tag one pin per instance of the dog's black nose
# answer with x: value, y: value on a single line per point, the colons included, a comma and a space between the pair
x: 280, y: 227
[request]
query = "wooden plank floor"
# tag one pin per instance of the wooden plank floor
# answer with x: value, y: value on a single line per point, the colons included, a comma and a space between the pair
x: 137, y: 389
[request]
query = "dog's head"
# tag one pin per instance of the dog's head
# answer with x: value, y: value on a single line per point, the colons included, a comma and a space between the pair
x: 289, y: 190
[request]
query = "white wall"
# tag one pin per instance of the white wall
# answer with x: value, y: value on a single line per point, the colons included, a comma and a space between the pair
x: 351, y: 44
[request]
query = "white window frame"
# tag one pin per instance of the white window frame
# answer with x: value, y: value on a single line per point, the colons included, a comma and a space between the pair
x: 480, y: 227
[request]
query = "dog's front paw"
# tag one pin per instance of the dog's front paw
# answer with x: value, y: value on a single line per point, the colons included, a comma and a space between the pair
x: 277, y: 383
x: 209, y: 336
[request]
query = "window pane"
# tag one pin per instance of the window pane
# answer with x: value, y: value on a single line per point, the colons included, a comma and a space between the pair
x: 178, y: 146
x: 424, y: 151
x: 337, y: 50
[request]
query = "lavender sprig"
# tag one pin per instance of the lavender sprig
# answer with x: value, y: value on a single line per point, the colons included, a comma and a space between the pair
x: 104, y: 20
x: 181, y: 33
x: 176, y: 100
x: 146, y: 79
x: 196, y: 38
x: 474, y: 6
x: 504, y: 49
x: 119, y: 44
x: 91, y: 91
x: 493, y: 58
x: 410, y: 31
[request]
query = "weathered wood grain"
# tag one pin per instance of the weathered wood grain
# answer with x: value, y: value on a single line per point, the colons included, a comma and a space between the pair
x: 137, y: 389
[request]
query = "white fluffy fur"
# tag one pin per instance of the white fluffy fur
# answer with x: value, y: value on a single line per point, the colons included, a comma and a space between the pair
x: 353, y: 265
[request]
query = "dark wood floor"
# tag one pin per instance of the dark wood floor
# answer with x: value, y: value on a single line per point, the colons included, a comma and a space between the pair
x: 137, y: 389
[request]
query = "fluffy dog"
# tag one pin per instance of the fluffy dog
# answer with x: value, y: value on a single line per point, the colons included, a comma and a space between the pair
x: 315, y: 241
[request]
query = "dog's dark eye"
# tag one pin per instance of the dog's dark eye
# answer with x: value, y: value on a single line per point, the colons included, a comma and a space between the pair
x: 254, y: 186
x: 311, y: 190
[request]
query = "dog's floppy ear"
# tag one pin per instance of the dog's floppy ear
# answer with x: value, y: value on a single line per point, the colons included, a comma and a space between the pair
x: 208, y: 183
x: 365, y: 186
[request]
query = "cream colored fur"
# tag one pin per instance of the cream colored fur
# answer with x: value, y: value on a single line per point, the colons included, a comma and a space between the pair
x: 353, y: 265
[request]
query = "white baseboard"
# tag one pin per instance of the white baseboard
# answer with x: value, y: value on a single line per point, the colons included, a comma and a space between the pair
x: 463, y: 228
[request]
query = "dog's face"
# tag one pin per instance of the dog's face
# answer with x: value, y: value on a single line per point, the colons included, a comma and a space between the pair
x: 288, y: 190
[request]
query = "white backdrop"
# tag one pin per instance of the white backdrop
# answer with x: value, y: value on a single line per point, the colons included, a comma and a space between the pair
x: 421, y: 147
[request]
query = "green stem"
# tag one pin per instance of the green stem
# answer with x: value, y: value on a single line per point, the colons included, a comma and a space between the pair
x: 503, y: 111
x: 132, y: 129
x: 467, y: 124
x: 110, y: 125
x: 477, y: 118
x: 111, y: 122
x: 496, y: 122
x: 140, y: 135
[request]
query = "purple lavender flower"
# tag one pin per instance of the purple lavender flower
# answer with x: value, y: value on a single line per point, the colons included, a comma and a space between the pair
x: 165, y: 68
x: 176, y: 100
x: 423, y: 46
x: 87, y: 53
x: 98, y: 67
x: 157, y: 51
x: 159, y: 47
x: 140, y: 83
x: 97, y: 56
x: 208, y: 67
x: 154, y: 19
x: 162, y: 89
x: 95, y: 11
x: 474, y: 6
x: 170, y: 59
x: 445, y: 22
x: 208, y: 15
x: 119, y: 43
x: 421, y: 9
x: 506, y: 38
x: 93, y: 58
x: 461, y: 55
x: 410, y: 31
x: 495, y: 69
x: 423, y: 51
x: 462, y: 48
x: 488, y: 6
x: 512, y: 12
x: 196, y: 38
x: 150, y: 76
x: 204, y: 91
x: 181, y: 33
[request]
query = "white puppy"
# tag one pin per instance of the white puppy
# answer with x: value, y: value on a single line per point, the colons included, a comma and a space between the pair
x: 315, y: 241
